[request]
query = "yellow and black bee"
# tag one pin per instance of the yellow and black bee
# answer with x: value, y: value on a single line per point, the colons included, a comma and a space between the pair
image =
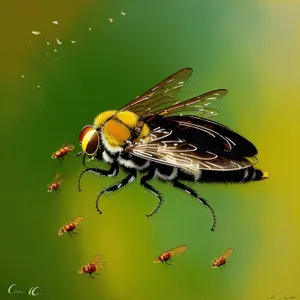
x: 172, y: 140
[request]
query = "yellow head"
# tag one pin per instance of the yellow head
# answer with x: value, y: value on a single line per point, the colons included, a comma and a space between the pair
x: 116, y: 128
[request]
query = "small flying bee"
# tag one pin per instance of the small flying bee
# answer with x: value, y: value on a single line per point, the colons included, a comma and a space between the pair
x: 166, y: 256
x: 54, y: 186
x: 70, y: 227
x: 162, y: 137
x: 95, y: 264
x: 222, y: 259
x: 63, y: 151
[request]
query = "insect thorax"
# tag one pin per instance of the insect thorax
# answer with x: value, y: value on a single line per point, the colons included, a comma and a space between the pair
x: 118, y: 127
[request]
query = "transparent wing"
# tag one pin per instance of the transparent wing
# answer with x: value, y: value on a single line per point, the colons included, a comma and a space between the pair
x: 80, y: 271
x: 178, y: 250
x: 70, y: 147
x: 226, y: 254
x: 100, y: 264
x: 60, y: 231
x: 159, y: 95
x: 177, y: 152
x: 61, y: 180
x: 96, y: 259
x: 197, y: 105
x: 156, y: 259
x: 57, y: 177
x: 77, y: 220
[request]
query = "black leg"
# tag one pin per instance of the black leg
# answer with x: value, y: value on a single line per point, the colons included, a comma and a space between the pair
x: 60, y: 160
x: 80, y: 153
x: 130, y: 178
x: 168, y: 264
x: 188, y: 190
x: 144, y: 180
x: 83, y: 160
x: 71, y: 234
x: 113, y: 171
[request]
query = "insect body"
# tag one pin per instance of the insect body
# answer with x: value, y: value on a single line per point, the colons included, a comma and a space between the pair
x: 221, y: 260
x: 54, y: 186
x: 166, y: 256
x: 162, y: 137
x: 70, y: 227
x: 63, y: 151
x: 95, y: 264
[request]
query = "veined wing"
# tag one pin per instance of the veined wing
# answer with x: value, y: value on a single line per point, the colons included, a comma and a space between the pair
x: 156, y: 259
x: 57, y: 177
x: 60, y: 231
x: 197, y: 105
x: 159, y: 95
x: 227, y: 253
x: 158, y: 147
x: 61, y: 180
x: 100, y: 264
x: 95, y: 259
x: 70, y: 147
x: 178, y: 250
x: 77, y: 220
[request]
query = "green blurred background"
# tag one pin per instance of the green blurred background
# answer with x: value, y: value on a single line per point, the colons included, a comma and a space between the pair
x: 249, y: 47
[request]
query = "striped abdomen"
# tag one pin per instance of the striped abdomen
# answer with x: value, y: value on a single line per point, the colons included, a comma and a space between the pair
x: 237, y: 176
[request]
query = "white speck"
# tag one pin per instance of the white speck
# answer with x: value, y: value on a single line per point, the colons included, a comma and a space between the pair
x: 48, y: 43
x: 36, y: 32
x: 123, y: 13
x: 55, y: 50
x: 73, y: 42
x: 90, y: 29
x: 55, y: 22
x: 58, y: 42
x: 46, y: 53
x: 110, y: 20
x: 39, y: 87
x: 23, y: 76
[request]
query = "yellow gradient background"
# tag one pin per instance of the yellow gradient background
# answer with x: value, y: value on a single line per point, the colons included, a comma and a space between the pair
x: 249, y: 47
